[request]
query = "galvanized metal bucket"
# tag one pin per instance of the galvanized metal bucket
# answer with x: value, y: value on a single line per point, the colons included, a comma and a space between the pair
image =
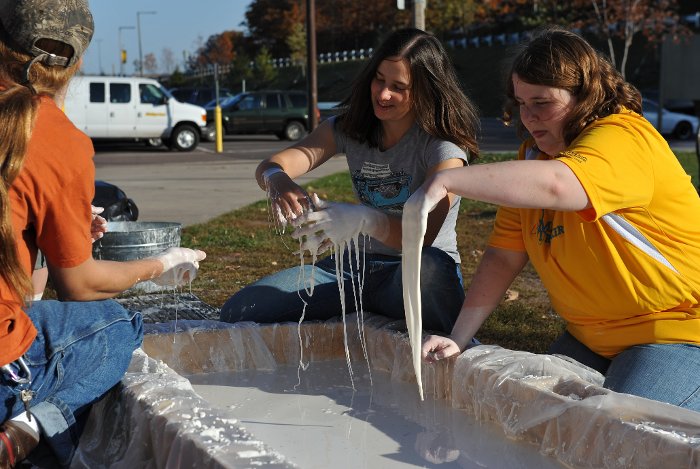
x: 131, y: 240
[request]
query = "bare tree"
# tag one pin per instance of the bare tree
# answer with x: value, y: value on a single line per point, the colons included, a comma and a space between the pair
x: 167, y: 60
x: 150, y: 64
x: 627, y: 19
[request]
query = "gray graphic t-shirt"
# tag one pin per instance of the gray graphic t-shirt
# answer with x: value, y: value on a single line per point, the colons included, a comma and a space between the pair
x: 385, y: 179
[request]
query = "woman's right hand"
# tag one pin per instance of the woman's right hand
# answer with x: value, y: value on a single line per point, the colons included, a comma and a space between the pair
x: 289, y: 200
x: 437, y: 347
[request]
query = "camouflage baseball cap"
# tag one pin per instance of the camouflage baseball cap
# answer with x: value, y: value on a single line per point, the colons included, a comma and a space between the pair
x: 66, y: 21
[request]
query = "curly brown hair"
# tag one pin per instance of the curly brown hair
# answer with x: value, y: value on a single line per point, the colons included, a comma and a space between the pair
x: 441, y: 107
x: 562, y: 59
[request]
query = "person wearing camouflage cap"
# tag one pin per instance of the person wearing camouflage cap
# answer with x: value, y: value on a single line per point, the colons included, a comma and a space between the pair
x: 56, y: 357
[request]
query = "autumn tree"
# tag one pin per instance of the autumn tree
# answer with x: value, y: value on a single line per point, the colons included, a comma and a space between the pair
x: 271, y: 22
x: 445, y: 16
x: 263, y: 71
x: 297, y: 47
x: 340, y: 24
x: 218, y: 49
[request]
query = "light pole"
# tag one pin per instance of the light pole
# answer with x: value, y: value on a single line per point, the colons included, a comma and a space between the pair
x: 138, y: 31
x: 122, y: 52
x: 99, y: 55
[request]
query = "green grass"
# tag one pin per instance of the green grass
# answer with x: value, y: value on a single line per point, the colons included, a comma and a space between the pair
x: 243, y: 246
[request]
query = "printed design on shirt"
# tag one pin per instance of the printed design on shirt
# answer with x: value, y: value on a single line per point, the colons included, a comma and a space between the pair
x: 379, y: 187
x: 574, y: 155
x: 545, y: 229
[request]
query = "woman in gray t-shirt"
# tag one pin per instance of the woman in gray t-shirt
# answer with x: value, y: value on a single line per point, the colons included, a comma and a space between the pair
x: 405, y: 119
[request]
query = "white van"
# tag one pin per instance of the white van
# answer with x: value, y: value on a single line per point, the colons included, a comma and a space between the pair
x: 133, y: 108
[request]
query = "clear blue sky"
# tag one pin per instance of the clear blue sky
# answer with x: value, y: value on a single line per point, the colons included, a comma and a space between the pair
x: 180, y: 25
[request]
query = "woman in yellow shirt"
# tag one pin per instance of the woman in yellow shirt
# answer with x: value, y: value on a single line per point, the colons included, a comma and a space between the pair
x: 600, y: 206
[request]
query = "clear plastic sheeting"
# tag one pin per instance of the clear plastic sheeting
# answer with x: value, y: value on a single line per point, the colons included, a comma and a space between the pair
x: 561, y: 406
x: 156, y: 420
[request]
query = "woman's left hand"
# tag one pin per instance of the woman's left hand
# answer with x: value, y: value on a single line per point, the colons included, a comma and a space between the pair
x: 98, y: 227
x: 437, y: 347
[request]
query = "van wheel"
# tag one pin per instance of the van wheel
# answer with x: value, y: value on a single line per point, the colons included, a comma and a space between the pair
x: 184, y: 138
x: 294, y: 130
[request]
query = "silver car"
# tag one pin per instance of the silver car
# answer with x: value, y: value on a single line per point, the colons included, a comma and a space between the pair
x: 680, y: 126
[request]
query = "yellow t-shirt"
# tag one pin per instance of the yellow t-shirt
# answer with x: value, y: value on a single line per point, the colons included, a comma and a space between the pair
x: 626, y: 271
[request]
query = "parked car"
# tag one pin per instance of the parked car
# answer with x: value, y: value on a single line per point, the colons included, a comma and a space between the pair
x: 198, y: 95
x: 134, y: 109
x: 328, y: 109
x: 680, y: 126
x: 277, y: 112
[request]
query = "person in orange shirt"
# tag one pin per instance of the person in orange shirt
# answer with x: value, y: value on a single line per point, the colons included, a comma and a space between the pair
x: 56, y: 357
x: 601, y: 207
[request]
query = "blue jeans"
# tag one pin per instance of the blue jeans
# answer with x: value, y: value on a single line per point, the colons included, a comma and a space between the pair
x: 281, y: 296
x: 663, y: 372
x: 81, y: 350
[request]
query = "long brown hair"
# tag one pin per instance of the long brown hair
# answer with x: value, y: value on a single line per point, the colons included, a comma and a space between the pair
x: 19, y: 101
x: 440, y: 106
x: 561, y: 59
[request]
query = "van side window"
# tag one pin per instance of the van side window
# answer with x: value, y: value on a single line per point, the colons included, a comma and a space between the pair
x: 273, y: 101
x: 150, y: 94
x: 97, y: 92
x: 119, y: 92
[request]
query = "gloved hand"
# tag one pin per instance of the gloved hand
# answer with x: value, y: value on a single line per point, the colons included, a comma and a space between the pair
x: 337, y: 223
x: 288, y: 199
x: 179, y: 266
x: 98, y: 227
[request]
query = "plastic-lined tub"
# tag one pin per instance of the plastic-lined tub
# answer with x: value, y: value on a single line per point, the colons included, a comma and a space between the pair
x: 537, y: 403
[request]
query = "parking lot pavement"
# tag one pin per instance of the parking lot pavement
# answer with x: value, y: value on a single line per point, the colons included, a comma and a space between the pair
x: 178, y: 188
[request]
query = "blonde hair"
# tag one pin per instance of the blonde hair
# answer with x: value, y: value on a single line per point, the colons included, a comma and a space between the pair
x: 19, y: 101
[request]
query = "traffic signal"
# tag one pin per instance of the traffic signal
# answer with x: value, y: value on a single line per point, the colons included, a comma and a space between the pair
x: 123, y: 56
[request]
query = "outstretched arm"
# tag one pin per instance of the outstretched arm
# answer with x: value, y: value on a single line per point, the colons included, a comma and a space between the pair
x: 522, y: 184
x: 276, y: 173
x: 497, y: 270
x: 100, y: 279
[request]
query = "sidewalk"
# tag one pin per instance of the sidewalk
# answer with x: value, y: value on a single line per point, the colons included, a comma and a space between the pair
x: 195, y: 192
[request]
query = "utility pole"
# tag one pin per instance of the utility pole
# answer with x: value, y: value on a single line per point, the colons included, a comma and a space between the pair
x: 311, y: 63
x: 419, y: 14
x: 138, y: 30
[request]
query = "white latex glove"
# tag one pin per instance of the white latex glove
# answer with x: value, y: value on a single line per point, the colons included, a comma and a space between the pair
x: 179, y: 266
x: 338, y: 223
x: 98, y: 227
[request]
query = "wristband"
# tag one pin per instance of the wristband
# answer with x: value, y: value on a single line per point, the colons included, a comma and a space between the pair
x: 269, y: 172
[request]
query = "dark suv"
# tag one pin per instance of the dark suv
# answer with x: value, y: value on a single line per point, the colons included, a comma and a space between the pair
x: 282, y: 113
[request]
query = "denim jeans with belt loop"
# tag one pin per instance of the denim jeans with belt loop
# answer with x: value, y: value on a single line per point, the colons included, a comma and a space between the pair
x: 82, y: 350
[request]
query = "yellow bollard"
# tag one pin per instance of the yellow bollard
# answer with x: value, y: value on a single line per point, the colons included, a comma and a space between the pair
x: 219, y: 129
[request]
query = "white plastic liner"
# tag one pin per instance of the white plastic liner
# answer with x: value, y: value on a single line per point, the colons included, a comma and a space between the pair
x: 156, y: 420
